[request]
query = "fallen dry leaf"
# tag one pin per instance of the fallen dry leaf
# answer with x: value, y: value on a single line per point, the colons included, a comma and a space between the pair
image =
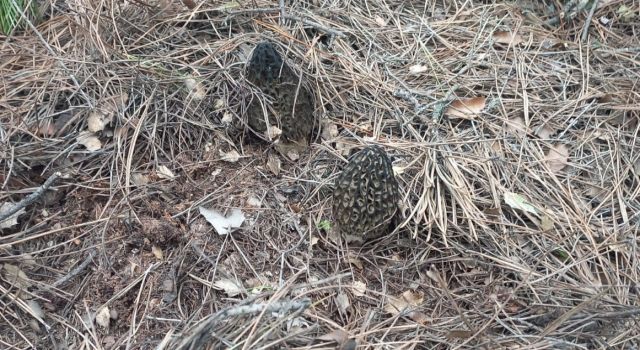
x: 417, y: 69
x: 343, y: 302
x: 89, y: 141
x: 516, y: 126
x: 359, y: 288
x: 380, y: 21
x: 157, y: 252
x: 329, y: 130
x: 466, y: 108
x: 505, y: 37
x: 231, y: 156
x: 274, y: 164
x: 195, y: 88
x: 230, y: 287
x: 164, y: 173
x: 273, y: 132
x: 557, y: 158
x: 15, y: 276
x: 408, y: 299
x: 545, y: 132
x: 223, y: 225
x: 338, y: 335
x: 517, y: 201
x: 103, y: 316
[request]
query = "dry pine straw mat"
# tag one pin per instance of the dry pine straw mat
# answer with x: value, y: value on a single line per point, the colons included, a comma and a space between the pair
x: 514, y: 139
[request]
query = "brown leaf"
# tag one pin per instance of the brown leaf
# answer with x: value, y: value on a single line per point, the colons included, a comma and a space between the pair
x: 338, y: 335
x: 458, y: 334
x: 466, y: 108
x: 408, y: 299
x: 273, y: 163
x: 516, y: 126
x: 329, y: 130
x: 557, y: 158
x: 419, y: 317
x: 505, y: 37
x: 190, y: 4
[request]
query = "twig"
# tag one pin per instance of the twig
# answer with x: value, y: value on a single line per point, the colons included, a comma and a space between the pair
x: 282, y: 11
x: 585, y: 30
x: 202, y: 333
x: 283, y: 14
x: 30, y: 198
x: 76, y: 271
x: 316, y: 25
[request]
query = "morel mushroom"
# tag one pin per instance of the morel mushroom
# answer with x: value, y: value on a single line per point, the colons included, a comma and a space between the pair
x: 292, y: 104
x: 365, y: 198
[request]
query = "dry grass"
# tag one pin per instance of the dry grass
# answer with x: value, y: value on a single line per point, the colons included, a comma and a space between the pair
x: 104, y: 247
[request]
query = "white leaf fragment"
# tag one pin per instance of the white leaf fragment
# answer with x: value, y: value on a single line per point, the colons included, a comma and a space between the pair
x: 164, y: 173
x: 223, y: 225
x: 517, y: 201
x: 417, y: 69
x: 89, y: 141
x: 230, y: 287
x: 103, y: 316
x: 231, y: 156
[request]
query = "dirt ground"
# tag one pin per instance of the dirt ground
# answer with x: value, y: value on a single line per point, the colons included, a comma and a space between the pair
x: 513, y: 130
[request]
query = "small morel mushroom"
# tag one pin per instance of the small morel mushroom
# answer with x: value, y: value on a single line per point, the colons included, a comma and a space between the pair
x: 292, y: 104
x: 365, y: 198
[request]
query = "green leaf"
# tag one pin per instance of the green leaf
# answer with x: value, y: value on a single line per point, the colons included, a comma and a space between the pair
x: 324, y: 225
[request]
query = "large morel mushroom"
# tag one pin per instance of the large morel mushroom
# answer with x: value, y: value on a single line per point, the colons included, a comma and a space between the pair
x: 365, y: 197
x: 292, y: 104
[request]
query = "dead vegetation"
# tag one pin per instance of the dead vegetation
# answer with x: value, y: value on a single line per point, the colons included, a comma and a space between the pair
x: 514, y: 140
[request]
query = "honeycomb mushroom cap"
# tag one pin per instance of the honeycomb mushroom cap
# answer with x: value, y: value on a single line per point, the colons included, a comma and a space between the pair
x: 292, y: 104
x: 365, y: 197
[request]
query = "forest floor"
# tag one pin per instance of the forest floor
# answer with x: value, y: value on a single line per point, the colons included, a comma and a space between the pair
x: 513, y: 129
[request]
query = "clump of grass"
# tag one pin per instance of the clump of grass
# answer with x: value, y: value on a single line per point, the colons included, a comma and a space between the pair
x: 10, y: 14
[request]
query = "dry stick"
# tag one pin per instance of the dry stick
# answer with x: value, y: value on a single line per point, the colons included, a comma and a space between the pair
x: 585, y: 30
x: 201, y: 334
x: 76, y: 271
x: 30, y: 198
x: 316, y: 25
x: 281, y: 11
